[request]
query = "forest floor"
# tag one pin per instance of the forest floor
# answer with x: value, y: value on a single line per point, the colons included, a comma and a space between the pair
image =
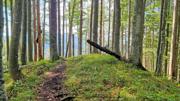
x: 52, y: 87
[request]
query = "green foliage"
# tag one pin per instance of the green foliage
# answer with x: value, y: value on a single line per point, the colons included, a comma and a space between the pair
x: 25, y: 90
x: 102, y: 77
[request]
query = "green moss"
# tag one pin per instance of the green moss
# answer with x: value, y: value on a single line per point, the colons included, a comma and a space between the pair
x: 97, y: 77
x: 25, y: 90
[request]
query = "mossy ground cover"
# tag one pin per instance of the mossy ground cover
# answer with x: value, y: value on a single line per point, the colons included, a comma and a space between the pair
x: 25, y: 90
x: 102, y: 77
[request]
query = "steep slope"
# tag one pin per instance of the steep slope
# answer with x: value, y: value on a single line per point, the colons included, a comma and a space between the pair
x: 102, y: 77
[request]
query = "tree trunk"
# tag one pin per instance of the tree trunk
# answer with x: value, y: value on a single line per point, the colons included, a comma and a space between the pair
x: 7, y: 29
x: 117, y: 20
x: 53, y: 30
x: 80, y: 29
x: 11, y: 7
x: 174, y: 42
x: 13, y: 55
x: 39, y: 38
x: 64, y: 4
x: 24, y: 34
x: 161, y: 43
x: 44, y: 25
x: 166, y: 50
x: 95, y: 22
x: 129, y: 27
x: 138, y: 31
x: 34, y: 22
x: 91, y: 20
x: 2, y: 93
x: 101, y: 23
x: 109, y: 26
x: 30, y: 46
x: 59, y: 27
x: 70, y: 28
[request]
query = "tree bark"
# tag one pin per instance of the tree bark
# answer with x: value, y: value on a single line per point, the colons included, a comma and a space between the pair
x: 95, y: 23
x: 30, y: 41
x: 59, y: 27
x: 91, y: 20
x: 35, y: 34
x: 174, y: 42
x: 44, y: 25
x: 7, y: 29
x: 109, y: 26
x: 64, y: 3
x: 129, y: 27
x: 2, y: 93
x: 24, y: 34
x: 53, y: 30
x: 39, y: 38
x: 80, y: 29
x: 101, y: 23
x: 161, y: 43
x: 117, y: 20
x: 13, y: 55
x: 138, y: 31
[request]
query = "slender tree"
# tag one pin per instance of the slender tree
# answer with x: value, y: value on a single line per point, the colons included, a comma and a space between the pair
x: 71, y: 18
x: 24, y: 34
x: 39, y: 38
x: 174, y: 42
x: 129, y: 27
x: 30, y: 42
x: 59, y: 27
x: 34, y: 22
x: 109, y: 26
x: 13, y: 55
x: 162, y: 36
x: 95, y: 22
x: 116, y: 26
x: 101, y: 24
x: 90, y: 28
x: 80, y: 29
x: 7, y: 29
x: 138, y: 31
x: 53, y: 30
x: 64, y: 4
x: 2, y: 93
x: 44, y: 25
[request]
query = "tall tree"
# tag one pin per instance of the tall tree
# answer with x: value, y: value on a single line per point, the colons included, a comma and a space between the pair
x: 138, y: 31
x: 24, y: 33
x: 129, y: 27
x: 90, y: 28
x: 13, y: 55
x: 7, y: 29
x: 80, y: 29
x: 95, y: 22
x: 59, y: 27
x: 64, y: 4
x: 116, y: 26
x: 30, y: 42
x: 101, y: 24
x: 39, y: 38
x: 109, y: 26
x: 174, y: 42
x: 53, y: 30
x: 71, y: 18
x: 34, y: 23
x: 162, y: 36
x: 2, y: 93
x: 44, y: 25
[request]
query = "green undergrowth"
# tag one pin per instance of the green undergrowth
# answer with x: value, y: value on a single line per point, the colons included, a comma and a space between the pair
x: 25, y: 90
x: 102, y: 77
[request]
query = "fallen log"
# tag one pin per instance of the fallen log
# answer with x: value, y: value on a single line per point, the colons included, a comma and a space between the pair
x: 120, y: 58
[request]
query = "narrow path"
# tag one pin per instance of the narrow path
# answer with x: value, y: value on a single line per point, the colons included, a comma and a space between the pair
x: 52, y: 88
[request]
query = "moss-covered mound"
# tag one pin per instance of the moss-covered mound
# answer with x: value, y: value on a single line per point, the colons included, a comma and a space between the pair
x: 102, y: 77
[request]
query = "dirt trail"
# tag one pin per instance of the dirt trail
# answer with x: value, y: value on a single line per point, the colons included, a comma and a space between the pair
x: 52, y: 87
